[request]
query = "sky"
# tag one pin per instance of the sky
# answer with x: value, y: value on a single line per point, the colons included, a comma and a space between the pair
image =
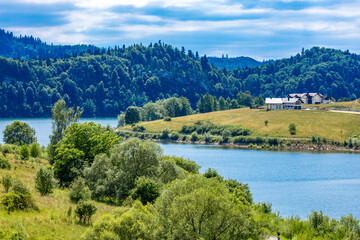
x: 262, y: 29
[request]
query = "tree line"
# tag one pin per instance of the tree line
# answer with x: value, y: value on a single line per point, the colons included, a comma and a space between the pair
x: 104, y: 82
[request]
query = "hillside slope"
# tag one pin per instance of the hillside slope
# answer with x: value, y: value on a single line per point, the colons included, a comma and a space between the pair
x: 234, y: 63
x: 308, y: 123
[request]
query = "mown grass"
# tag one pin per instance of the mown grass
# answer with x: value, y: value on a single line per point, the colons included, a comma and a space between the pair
x: 331, y: 125
x: 51, y: 220
x: 353, y: 105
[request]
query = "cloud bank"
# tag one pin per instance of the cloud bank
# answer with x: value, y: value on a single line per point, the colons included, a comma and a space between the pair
x: 262, y: 29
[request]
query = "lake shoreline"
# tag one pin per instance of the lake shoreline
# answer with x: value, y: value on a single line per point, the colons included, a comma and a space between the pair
x: 293, y: 147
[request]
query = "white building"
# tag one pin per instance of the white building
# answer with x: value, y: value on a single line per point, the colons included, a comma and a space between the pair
x: 283, y: 103
x: 310, y: 98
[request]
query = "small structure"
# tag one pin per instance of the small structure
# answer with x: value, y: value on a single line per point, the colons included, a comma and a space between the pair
x: 283, y: 103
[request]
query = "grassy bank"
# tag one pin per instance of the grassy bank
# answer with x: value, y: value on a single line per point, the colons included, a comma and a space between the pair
x: 51, y: 221
x: 331, y: 125
x: 353, y: 106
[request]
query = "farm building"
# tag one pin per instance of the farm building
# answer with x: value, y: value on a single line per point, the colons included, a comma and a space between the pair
x: 283, y: 103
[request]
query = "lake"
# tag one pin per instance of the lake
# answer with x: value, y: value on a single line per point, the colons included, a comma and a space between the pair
x: 294, y: 182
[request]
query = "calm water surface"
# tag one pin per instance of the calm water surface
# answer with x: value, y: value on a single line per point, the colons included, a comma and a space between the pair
x: 294, y: 182
x: 42, y: 126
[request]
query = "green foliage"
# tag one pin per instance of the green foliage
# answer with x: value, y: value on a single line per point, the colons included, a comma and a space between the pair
x: 79, y: 191
x: 139, y: 128
x: 146, y: 190
x: 207, y: 127
x: 82, y: 142
x: 165, y: 133
x: 35, y: 150
x: 174, y: 136
x: 212, y: 173
x: 186, y: 164
x: 11, y: 234
x: 167, y: 119
x: 136, y: 222
x: 44, y: 181
x: 114, y: 177
x: 292, y: 128
x: 132, y: 115
x: 19, y: 133
x: 24, y: 152
x: 84, y: 211
x: 4, y: 163
x: 19, y: 199
x: 194, y: 137
x: 266, y: 122
x: 10, y: 148
x: 62, y: 117
x: 7, y: 181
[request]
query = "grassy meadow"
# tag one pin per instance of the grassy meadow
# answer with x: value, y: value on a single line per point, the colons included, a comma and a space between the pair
x: 51, y: 221
x: 353, y: 105
x: 331, y: 125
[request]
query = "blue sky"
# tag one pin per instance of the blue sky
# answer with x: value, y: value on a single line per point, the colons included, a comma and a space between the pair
x: 263, y: 29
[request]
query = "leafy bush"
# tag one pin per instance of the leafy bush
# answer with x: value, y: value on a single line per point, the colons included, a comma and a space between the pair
x: 266, y: 122
x: 79, y: 191
x: 186, y: 164
x: 10, y: 148
x: 6, y: 181
x: 194, y: 137
x: 167, y: 119
x: 146, y: 190
x: 11, y: 234
x: 44, y: 181
x: 212, y: 173
x: 207, y: 137
x: 174, y: 136
x: 4, y: 163
x: 19, y: 199
x: 139, y: 128
x: 292, y: 128
x: 84, y: 211
x: 35, y: 150
x: 165, y: 133
x: 24, y: 152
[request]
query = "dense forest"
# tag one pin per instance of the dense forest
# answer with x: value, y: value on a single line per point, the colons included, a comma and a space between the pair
x: 234, y: 63
x: 104, y: 82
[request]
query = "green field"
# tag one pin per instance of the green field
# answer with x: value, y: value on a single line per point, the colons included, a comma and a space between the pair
x: 353, y: 105
x: 51, y: 221
x: 331, y: 125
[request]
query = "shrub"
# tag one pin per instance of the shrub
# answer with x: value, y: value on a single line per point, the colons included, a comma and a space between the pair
x: 35, y: 150
x: 194, y: 137
x: 12, y: 234
x: 20, y: 198
x: 24, y: 152
x: 174, y: 136
x: 84, y: 211
x: 266, y: 122
x: 138, y: 128
x: 207, y: 137
x: 44, y: 181
x: 225, y: 135
x: 146, y: 190
x: 4, y: 163
x: 292, y: 128
x: 10, y: 148
x: 19, y: 133
x: 167, y: 119
x: 6, y: 181
x: 164, y: 134
x: 79, y: 191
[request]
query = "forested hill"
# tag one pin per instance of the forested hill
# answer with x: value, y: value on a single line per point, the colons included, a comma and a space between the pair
x: 234, y: 63
x: 28, y: 47
x: 105, y: 82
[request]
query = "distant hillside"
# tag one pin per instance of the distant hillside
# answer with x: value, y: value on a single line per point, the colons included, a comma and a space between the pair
x: 105, y: 82
x: 234, y: 63
x: 28, y: 47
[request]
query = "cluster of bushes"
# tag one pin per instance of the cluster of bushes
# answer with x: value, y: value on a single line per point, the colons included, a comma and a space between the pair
x: 207, y: 127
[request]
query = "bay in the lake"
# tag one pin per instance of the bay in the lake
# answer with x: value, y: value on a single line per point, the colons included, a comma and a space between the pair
x: 294, y: 182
